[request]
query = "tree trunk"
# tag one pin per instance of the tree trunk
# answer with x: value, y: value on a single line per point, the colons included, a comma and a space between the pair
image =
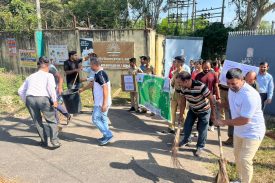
x: 257, y: 20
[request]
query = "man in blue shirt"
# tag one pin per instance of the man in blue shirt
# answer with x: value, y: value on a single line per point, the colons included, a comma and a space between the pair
x: 266, y: 84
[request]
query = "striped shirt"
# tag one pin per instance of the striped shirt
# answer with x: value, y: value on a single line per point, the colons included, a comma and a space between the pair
x: 197, y: 96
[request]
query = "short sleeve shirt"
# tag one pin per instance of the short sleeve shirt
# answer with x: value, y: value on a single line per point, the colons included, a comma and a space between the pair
x: 197, y: 96
x: 247, y: 103
x: 210, y: 79
x: 101, y: 78
x: 71, y: 65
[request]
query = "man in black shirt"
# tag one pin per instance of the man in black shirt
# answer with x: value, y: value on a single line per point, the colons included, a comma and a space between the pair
x: 72, y: 68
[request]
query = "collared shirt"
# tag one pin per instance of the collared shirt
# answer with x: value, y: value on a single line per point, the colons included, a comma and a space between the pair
x: 266, y: 84
x: 186, y: 68
x: 37, y: 84
x: 210, y: 79
x: 197, y: 96
x: 247, y: 103
x: 101, y: 78
x: 91, y: 73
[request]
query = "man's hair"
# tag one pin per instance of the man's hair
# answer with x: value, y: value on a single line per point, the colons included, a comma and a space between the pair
x: 180, y: 59
x: 95, y: 61
x: 72, y: 53
x: 234, y: 73
x: 133, y: 60
x: 42, y: 60
x: 183, y: 76
x: 263, y: 63
x: 206, y: 62
x: 199, y: 62
x: 250, y: 72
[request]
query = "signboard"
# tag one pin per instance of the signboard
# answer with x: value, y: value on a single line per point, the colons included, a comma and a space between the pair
x: 189, y: 48
x: 230, y: 64
x: 11, y: 43
x: 114, y: 55
x: 154, y: 94
x: 28, y: 58
x: 58, y: 53
x: 128, y: 83
x: 86, y: 46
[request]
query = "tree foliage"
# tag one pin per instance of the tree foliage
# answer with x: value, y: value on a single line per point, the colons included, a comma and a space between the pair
x: 214, y: 40
x: 18, y: 16
x: 249, y: 13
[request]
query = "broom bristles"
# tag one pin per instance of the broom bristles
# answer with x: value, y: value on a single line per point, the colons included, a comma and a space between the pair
x: 222, y: 176
x: 175, y: 148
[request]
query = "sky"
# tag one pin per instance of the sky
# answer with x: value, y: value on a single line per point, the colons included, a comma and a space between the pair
x: 229, y: 10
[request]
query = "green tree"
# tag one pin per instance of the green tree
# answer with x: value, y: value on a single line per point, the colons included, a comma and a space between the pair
x: 249, y: 13
x: 214, y: 40
x: 18, y: 16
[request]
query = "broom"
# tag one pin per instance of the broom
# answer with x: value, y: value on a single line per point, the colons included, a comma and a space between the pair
x: 222, y: 176
x: 175, y: 148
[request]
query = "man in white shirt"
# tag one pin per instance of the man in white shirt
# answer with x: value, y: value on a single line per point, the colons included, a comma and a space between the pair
x: 38, y: 92
x: 248, y: 122
x: 102, y: 100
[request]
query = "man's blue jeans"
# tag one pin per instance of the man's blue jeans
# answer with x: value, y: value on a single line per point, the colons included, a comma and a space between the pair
x: 100, y: 119
x: 203, y: 120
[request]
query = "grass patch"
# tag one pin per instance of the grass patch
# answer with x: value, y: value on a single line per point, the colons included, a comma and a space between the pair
x: 10, y: 102
x: 264, y: 164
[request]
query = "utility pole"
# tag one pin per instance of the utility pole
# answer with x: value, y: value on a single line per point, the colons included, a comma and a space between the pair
x: 222, y: 17
x: 38, y: 12
x: 193, y: 15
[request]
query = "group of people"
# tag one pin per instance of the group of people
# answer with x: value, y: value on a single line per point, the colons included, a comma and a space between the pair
x: 244, y: 98
x: 196, y: 91
x: 42, y: 91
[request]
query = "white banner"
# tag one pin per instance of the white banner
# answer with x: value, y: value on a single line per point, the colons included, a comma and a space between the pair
x: 231, y: 64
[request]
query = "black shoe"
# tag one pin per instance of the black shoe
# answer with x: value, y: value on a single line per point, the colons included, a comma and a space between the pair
x: 43, y: 144
x: 171, y: 131
x: 132, y: 109
x: 183, y: 144
x: 69, y: 119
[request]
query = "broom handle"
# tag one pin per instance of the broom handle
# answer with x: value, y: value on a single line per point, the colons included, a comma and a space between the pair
x: 75, y: 79
x: 220, y: 142
x: 219, y: 131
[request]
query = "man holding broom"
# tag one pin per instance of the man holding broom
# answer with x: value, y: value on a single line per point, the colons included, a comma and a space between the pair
x: 248, y: 122
x: 201, y: 106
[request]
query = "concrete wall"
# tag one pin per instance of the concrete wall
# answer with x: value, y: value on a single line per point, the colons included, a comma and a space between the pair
x: 144, y: 44
x: 159, y: 54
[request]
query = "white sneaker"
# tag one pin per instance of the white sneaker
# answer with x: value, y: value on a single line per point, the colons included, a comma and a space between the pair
x: 211, y: 128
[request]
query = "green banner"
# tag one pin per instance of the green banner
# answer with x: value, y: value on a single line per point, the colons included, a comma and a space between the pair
x: 154, y: 94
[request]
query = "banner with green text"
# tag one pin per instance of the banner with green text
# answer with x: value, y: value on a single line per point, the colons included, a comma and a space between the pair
x: 154, y: 94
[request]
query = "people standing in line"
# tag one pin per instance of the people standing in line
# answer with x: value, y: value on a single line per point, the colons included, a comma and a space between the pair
x: 59, y: 89
x: 133, y: 70
x: 175, y: 96
x: 198, y: 69
x: 72, y: 68
x: 248, y: 122
x: 201, y: 106
x: 266, y: 84
x: 211, y: 80
x: 186, y: 67
x: 39, y: 94
x: 251, y: 79
x: 102, y: 100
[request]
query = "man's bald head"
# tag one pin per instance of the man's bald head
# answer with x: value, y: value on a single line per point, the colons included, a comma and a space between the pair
x: 251, y: 77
